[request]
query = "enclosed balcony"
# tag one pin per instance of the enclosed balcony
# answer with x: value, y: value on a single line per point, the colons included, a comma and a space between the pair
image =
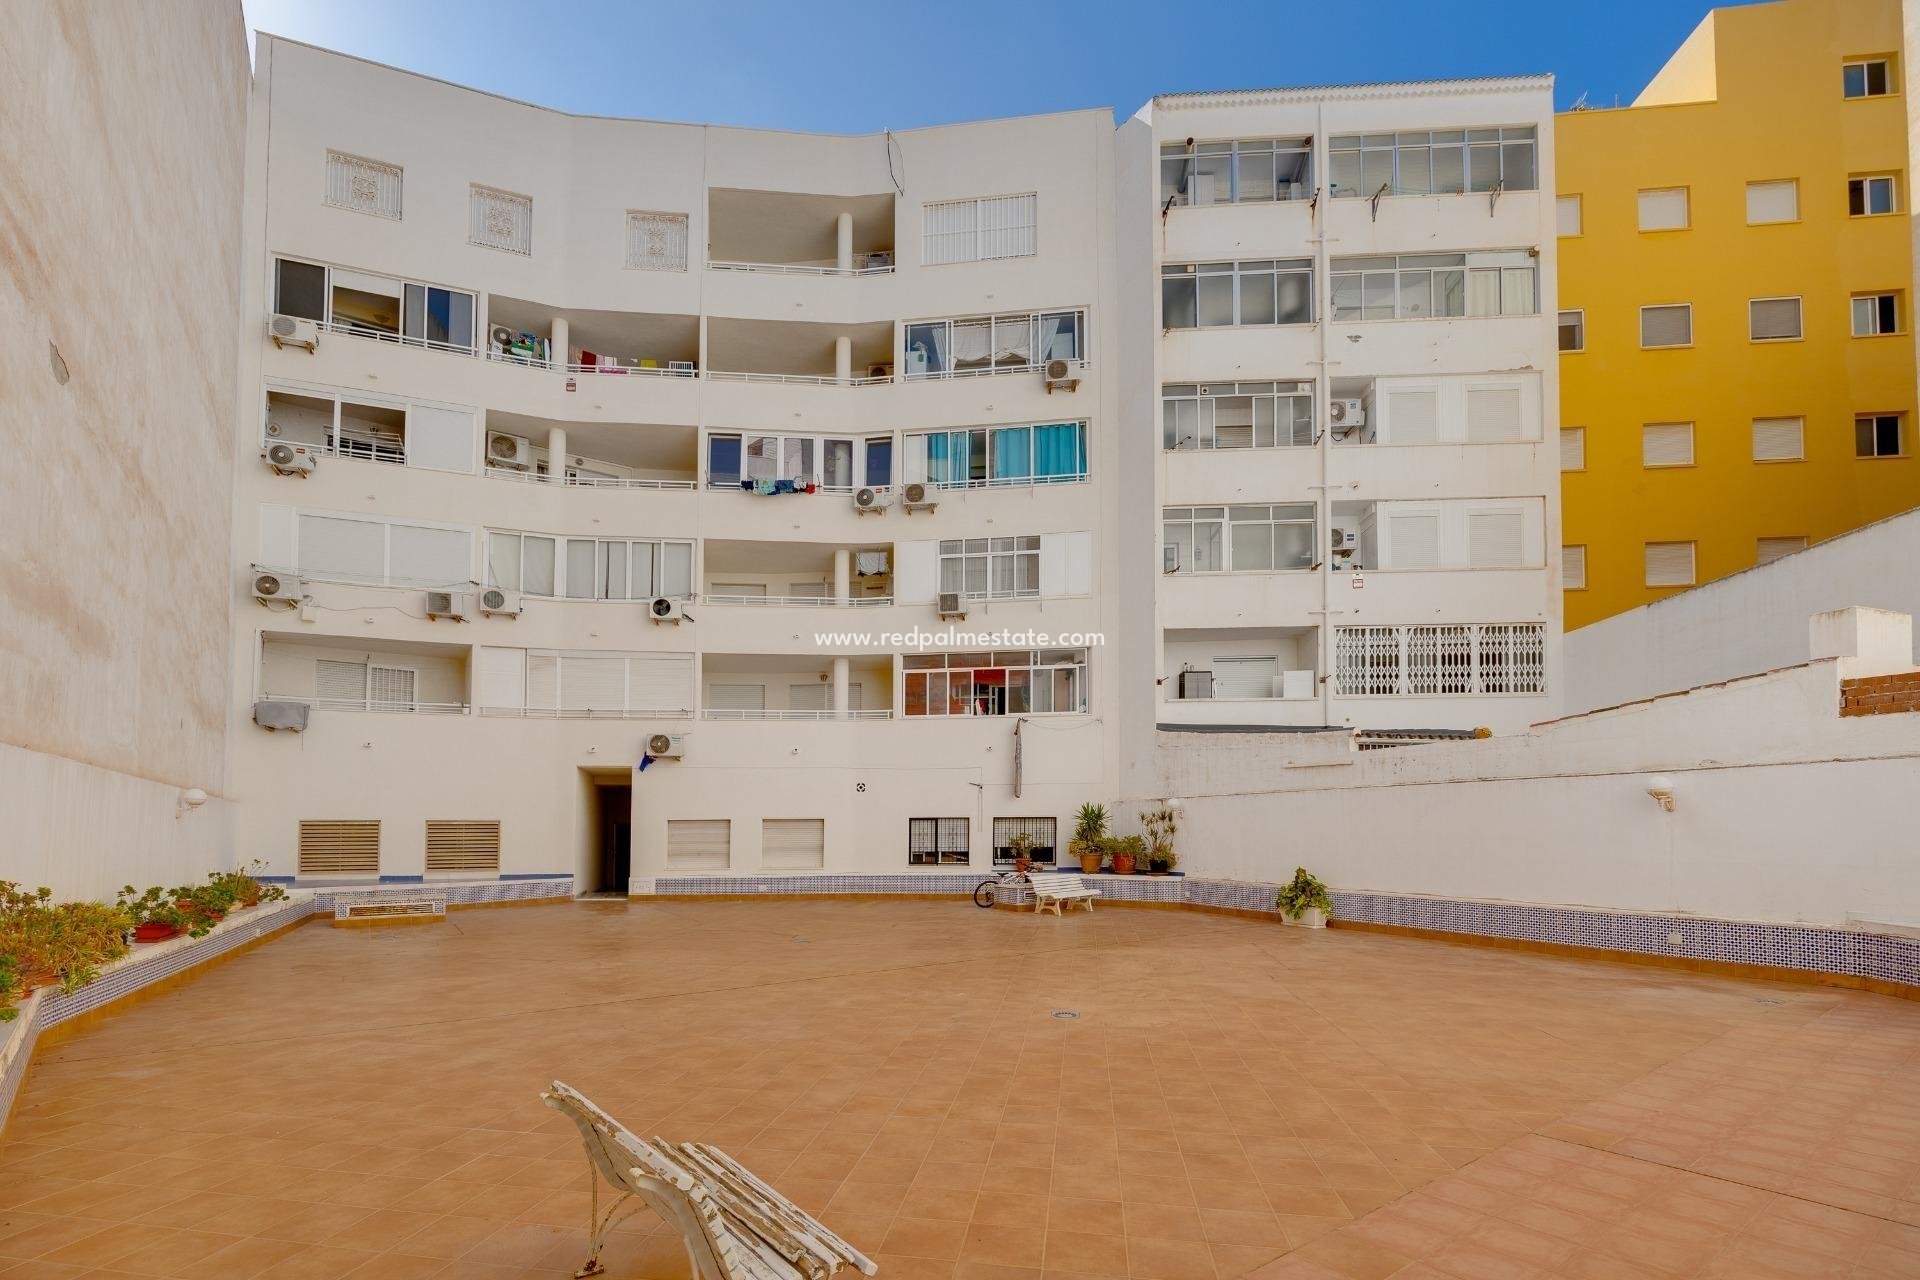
x: 754, y: 686
x: 619, y: 343
x: 792, y: 233
x: 347, y: 674
x: 598, y: 455
x: 796, y: 574
x: 800, y: 351
x: 1241, y: 675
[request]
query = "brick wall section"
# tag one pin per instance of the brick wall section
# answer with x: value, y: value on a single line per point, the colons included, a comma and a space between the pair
x: 1880, y: 695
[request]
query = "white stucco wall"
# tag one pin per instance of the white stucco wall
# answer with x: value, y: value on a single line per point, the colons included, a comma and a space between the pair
x: 1751, y: 621
x: 121, y: 142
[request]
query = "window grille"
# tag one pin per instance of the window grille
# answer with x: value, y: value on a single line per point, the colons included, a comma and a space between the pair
x: 500, y: 220
x: 933, y: 842
x: 656, y: 241
x: 363, y: 186
x: 1430, y: 661
x: 1041, y: 829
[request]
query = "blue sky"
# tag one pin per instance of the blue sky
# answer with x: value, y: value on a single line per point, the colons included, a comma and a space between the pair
x: 826, y: 67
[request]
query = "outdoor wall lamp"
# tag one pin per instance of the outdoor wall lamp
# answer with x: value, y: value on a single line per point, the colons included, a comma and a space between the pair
x: 191, y: 798
x: 1660, y: 787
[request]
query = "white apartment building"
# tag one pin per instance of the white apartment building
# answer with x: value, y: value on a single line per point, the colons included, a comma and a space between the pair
x: 593, y: 474
x: 1353, y: 378
x: 574, y: 420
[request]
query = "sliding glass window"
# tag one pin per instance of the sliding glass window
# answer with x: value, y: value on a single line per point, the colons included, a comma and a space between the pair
x: 1236, y: 172
x: 1441, y: 162
x: 1212, y: 295
x: 1436, y: 285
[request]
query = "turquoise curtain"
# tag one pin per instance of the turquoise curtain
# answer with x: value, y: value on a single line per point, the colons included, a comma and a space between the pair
x: 1012, y: 458
x: 937, y: 458
x: 1058, y: 450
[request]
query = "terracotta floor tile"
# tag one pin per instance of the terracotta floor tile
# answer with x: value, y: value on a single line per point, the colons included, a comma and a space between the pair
x: 1085, y: 1253
x: 925, y: 1238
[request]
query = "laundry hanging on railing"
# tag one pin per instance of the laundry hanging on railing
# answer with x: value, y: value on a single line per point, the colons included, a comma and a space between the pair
x: 779, y: 486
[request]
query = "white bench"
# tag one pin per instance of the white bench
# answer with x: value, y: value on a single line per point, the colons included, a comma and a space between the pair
x: 1054, y: 891
x: 735, y: 1226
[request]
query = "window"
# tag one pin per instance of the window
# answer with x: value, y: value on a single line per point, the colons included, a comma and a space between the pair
x: 1573, y: 331
x: 1236, y: 415
x: 362, y: 185
x: 1573, y: 568
x: 1779, y: 439
x: 463, y: 845
x: 1767, y: 550
x: 588, y: 568
x: 373, y: 306
x: 1401, y: 661
x: 1664, y: 209
x: 1666, y: 444
x: 1495, y: 540
x: 1431, y: 285
x: 1868, y: 78
x: 1443, y: 162
x: 877, y: 456
x: 1875, y: 314
x: 700, y: 844
x: 567, y: 684
x: 1413, y: 541
x: 499, y: 219
x: 1669, y: 564
x: 1002, y: 683
x: 938, y: 842
x: 1667, y: 326
x: 1239, y: 539
x: 1567, y: 215
x: 1041, y: 829
x: 1769, y: 202
x: 300, y: 289
x: 991, y: 568
x: 979, y: 230
x: 380, y: 552
x: 793, y: 844
x: 1573, y: 448
x: 1493, y: 414
x: 656, y: 241
x: 1877, y: 435
x: 362, y: 686
x: 438, y: 318
x: 994, y: 344
x: 1237, y: 172
x: 339, y: 847
x: 1871, y: 196
x: 1212, y: 295
x: 1773, y: 319
x: 992, y: 457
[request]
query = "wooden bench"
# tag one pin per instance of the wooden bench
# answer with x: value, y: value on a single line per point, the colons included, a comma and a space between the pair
x: 1051, y: 892
x: 735, y: 1226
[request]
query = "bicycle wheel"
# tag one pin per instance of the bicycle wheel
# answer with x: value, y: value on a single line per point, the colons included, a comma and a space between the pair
x: 983, y: 893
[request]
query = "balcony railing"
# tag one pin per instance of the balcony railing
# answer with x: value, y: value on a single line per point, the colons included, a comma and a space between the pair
x: 987, y: 371
x: 867, y: 268
x: 497, y: 356
x: 585, y: 482
x: 351, y: 330
x: 584, y: 713
x: 794, y: 379
x: 371, y: 704
x: 800, y: 602
x: 872, y: 713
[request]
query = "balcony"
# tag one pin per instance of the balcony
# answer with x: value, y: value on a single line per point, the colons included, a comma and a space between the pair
x: 791, y: 233
x: 1241, y: 675
x: 774, y: 575
x: 787, y: 687
x: 982, y: 346
x: 340, y: 426
x: 800, y: 352
x: 598, y: 455
x: 601, y: 343
x: 344, y: 674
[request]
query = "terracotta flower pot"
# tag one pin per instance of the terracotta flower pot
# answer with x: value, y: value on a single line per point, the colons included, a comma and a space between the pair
x: 34, y: 978
x: 1123, y: 864
x: 154, y: 931
x: 1023, y: 865
x: 1090, y: 864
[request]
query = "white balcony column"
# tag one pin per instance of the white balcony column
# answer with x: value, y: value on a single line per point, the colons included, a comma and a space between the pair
x: 839, y: 688
x: 557, y: 340
x: 844, y: 259
x: 842, y: 575
x: 557, y: 453
x: 843, y: 359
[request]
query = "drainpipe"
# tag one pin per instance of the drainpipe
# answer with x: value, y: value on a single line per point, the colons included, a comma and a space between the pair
x: 1323, y: 401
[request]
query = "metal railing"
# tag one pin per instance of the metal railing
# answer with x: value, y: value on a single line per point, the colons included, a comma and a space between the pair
x: 584, y: 713
x: 385, y: 705
x: 497, y: 356
x: 794, y: 379
x: 800, y: 602
x: 804, y: 269
x: 988, y: 371
x: 350, y: 330
x: 585, y: 482
x: 873, y: 713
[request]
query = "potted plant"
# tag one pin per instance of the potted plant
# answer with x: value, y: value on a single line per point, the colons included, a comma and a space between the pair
x: 1304, y: 901
x: 1127, y: 853
x: 1022, y: 846
x: 1090, y: 829
x: 1160, y: 826
x: 156, y: 914
x: 9, y: 989
x: 245, y: 885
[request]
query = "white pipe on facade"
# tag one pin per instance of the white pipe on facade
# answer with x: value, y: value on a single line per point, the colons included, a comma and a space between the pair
x: 1323, y: 405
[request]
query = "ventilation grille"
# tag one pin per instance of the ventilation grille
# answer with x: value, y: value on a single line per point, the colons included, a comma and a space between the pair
x: 463, y: 844
x: 339, y: 847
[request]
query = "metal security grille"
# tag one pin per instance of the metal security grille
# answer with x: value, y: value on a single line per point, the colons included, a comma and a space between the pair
x: 1427, y: 661
x: 339, y: 847
x: 935, y: 842
x: 1041, y: 829
x: 500, y: 220
x: 656, y: 241
x: 363, y: 185
x: 463, y: 844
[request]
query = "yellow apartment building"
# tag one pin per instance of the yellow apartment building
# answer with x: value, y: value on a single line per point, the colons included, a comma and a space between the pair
x: 1737, y: 368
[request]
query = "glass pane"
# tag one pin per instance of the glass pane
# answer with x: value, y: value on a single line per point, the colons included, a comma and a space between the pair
x: 1863, y: 437
x: 723, y: 460
x: 1449, y: 293
x: 413, y: 312
x: 1207, y: 547
x: 762, y: 458
x: 880, y: 461
x: 676, y: 569
x: 1256, y: 299
x: 1376, y: 171
x: 301, y: 290
x: 641, y: 559
x: 1211, y: 180
x: 1256, y: 177
x: 797, y: 460
x: 1377, y: 295
x: 927, y: 348
x: 503, y: 560
x: 1346, y: 296
x: 1060, y: 336
x: 1177, y: 302
x: 460, y: 320
x: 1346, y: 173
x: 1416, y: 171
x: 1416, y: 295
x: 1449, y: 170
x: 1483, y: 167
x: 580, y: 569
x: 1180, y: 538
x: 1293, y: 546
x: 1252, y: 547
x: 916, y: 693
x: 614, y: 577
x: 1516, y: 166
x: 537, y: 566
x: 1180, y: 424
x: 1216, y: 301
x: 837, y: 464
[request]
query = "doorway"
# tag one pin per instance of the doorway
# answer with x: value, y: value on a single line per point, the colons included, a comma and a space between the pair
x: 606, y: 855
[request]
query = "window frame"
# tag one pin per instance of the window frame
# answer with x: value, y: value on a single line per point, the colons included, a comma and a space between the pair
x: 1206, y: 396
x: 1666, y: 306
x: 1753, y: 443
x: 656, y: 559
x: 1773, y: 182
x: 916, y: 460
x: 1880, y: 299
x: 1582, y: 433
x: 1193, y: 520
x: 941, y: 696
x: 1693, y: 565
x: 1640, y: 217
x: 1890, y: 85
x: 1581, y: 547
x: 1401, y: 147
x: 1237, y: 272
x: 1692, y: 447
x: 1406, y: 268
x: 1865, y: 181
x: 1580, y: 330
x: 1034, y: 320
x: 1274, y: 146
x: 941, y: 854
x: 1901, y: 440
x: 990, y: 558
x: 1799, y: 316
x: 406, y: 284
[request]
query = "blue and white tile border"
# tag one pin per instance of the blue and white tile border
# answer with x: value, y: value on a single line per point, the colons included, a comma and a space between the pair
x: 49, y: 1007
x: 1813, y: 949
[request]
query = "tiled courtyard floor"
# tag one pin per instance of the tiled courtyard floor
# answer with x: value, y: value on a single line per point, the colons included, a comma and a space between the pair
x: 1233, y: 1099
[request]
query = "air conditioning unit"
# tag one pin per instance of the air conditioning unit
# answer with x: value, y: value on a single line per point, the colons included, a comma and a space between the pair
x: 951, y: 605
x: 880, y: 258
x: 918, y: 497
x: 871, y: 499
x: 1346, y: 415
x: 292, y: 331
x: 447, y: 604
x: 667, y: 609
x: 680, y: 368
x: 504, y: 450
x: 879, y: 371
x: 289, y: 459
x: 666, y: 746
x: 1060, y: 376
x: 271, y: 584
x: 494, y: 601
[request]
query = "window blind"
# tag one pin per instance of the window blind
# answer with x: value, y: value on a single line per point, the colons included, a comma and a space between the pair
x: 1573, y: 567
x: 1493, y: 414
x: 1771, y: 549
x: 463, y: 844
x: 1669, y: 564
x: 1779, y: 439
x: 1773, y: 318
x: 737, y: 697
x: 339, y: 847
x: 793, y: 844
x: 1566, y: 215
x: 703, y: 844
x: 337, y: 547
x: 1413, y: 417
x: 1573, y: 448
x: 1663, y: 210
x: 1773, y: 202
x: 1666, y: 326
x: 1415, y: 542
x: 1666, y: 444
x: 1495, y: 540
x: 339, y: 684
x: 1244, y: 677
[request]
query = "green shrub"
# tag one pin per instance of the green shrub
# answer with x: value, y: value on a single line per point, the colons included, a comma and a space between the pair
x: 1301, y: 893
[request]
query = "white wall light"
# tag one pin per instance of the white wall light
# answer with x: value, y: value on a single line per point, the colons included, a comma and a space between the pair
x: 1660, y: 787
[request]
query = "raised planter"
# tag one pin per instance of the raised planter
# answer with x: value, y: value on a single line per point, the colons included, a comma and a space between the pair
x: 1311, y: 918
x: 153, y: 931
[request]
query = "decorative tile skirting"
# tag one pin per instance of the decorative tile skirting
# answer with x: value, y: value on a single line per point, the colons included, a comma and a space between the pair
x: 930, y: 882
x: 1153, y: 889
x: 157, y: 962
